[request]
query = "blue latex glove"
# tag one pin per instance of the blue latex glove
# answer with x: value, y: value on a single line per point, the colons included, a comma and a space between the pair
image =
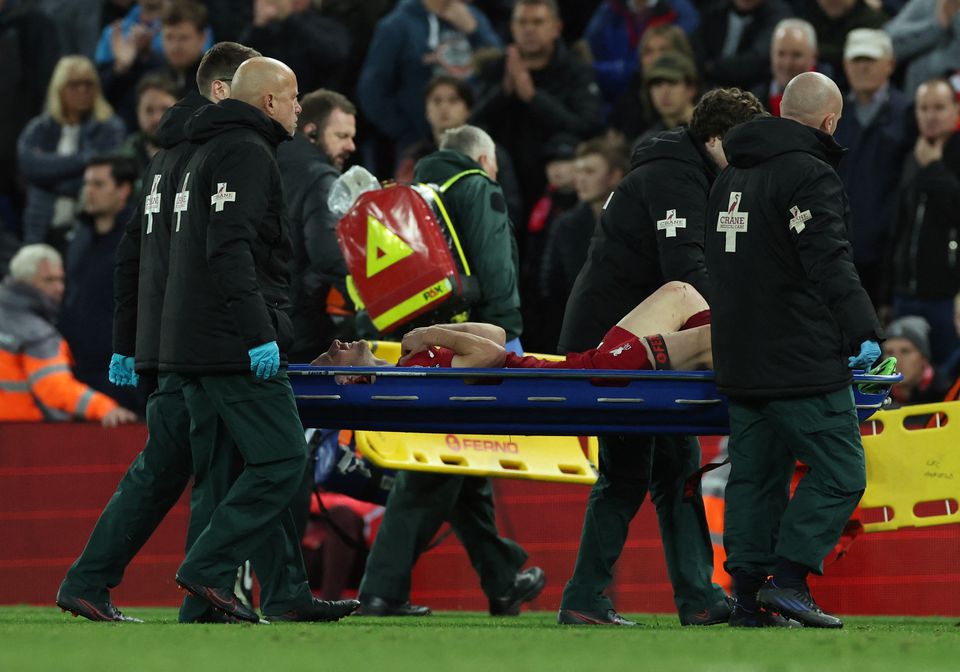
x: 869, y: 353
x: 120, y: 372
x: 514, y: 346
x: 265, y: 360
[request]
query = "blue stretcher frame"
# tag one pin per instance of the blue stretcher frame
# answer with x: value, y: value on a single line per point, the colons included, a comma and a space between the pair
x: 536, y: 402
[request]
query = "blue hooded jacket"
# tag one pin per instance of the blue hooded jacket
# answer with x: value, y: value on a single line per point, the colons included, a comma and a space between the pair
x: 104, y: 52
x: 394, y: 74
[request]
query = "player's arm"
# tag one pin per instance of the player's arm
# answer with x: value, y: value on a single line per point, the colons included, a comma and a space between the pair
x: 489, y: 331
x: 469, y: 350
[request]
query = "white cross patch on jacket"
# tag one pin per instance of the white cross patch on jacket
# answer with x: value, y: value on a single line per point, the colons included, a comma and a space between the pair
x: 797, y: 223
x: 732, y: 222
x: 222, y: 196
x: 671, y: 223
x: 151, y: 205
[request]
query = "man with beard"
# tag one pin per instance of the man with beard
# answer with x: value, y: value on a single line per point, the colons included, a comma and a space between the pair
x: 155, y: 95
x: 309, y: 165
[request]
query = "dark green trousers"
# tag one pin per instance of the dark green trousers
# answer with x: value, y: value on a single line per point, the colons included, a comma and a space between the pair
x: 217, y: 464
x: 152, y: 485
x: 630, y: 466
x: 253, y: 519
x: 761, y: 521
x: 418, y: 505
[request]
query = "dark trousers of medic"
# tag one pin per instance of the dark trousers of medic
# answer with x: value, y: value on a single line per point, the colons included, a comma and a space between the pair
x: 418, y: 505
x: 191, y: 424
x: 631, y: 466
x: 762, y: 523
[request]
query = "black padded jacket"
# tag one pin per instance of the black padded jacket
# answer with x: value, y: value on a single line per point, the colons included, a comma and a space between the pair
x: 230, y: 251
x: 786, y: 301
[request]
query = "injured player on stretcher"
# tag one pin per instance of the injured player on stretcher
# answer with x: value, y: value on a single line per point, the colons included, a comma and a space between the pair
x: 668, y: 330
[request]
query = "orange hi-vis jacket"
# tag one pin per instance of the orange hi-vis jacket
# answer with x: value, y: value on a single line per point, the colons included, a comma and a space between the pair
x: 36, y: 381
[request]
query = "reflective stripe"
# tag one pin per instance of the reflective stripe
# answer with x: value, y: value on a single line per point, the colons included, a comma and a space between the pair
x: 446, y: 217
x: 472, y: 171
x: 14, y: 386
x: 413, y: 304
x: 453, y: 235
x: 354, y: 294
x: 52, y: 414
x: 85, y: 398
x: 47, y: 371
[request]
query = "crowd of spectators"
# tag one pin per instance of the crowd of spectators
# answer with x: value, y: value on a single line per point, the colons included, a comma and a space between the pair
x: 566, y: 88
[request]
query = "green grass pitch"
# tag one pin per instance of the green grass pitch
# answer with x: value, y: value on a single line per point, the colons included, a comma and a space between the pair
x: 37, y: 638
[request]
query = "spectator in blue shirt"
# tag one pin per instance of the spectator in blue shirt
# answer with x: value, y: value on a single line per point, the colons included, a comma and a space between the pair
x: 414, y: 42
x: 137, y: 35
x: 183, y: 33
x: 614, y: 33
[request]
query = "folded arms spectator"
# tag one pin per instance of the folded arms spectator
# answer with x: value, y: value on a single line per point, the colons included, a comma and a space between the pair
x: 54, y: 148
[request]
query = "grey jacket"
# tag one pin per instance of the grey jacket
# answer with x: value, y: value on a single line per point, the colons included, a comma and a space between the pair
x: 918, y: 37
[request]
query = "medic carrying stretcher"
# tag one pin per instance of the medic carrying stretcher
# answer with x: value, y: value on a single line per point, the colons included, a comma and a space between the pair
x: 385, y: 234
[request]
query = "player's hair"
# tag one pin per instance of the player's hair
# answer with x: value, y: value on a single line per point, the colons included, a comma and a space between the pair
x: 720, y: 110
x: 317, y: 106
x: 221, y: 62
x: 468, y: 140
x: 615, y: 153
x: 24, y: 264
x: 464, y: 92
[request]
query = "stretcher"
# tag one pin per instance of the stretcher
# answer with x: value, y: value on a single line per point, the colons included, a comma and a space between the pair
x: 913, y: 467
x: 556, y: 459
x: 538, y: 402
x: 494, y: 422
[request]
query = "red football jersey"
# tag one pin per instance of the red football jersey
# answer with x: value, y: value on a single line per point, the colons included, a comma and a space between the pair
x: 620, y: 349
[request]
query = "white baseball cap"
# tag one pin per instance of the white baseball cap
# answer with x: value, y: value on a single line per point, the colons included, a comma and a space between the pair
x: 867, y: 43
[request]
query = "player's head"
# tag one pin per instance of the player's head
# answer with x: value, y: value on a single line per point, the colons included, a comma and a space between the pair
x: 717, y: 112
x: 814, y: 100
x: 353, y: 353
